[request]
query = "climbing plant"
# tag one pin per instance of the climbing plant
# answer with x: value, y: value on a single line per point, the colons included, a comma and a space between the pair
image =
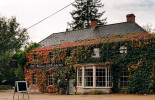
x: 140, y: 48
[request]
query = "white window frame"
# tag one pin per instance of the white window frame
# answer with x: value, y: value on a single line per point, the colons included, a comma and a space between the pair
x: 88, y: 76
x: 108, y: 77
x: 102, y: 77
x: 96, y: 53
x: 123, y: 49
x: 79, y: 77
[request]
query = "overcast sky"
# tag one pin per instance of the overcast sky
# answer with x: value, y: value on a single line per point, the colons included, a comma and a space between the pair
x: 28, y: 12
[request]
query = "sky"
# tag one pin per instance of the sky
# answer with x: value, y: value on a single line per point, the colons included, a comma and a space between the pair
x: 29, y: 12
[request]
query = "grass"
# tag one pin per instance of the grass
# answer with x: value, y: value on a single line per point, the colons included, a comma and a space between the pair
x: 5, y: 87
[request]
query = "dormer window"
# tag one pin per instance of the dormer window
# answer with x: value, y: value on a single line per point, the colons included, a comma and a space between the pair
x: 123, y: 49
x: 96, y: 53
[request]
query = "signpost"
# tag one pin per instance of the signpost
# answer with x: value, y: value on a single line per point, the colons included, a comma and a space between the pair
x: 21, y: 87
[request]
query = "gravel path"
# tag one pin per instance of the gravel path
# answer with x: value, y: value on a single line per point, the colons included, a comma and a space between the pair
x: 8, y: 95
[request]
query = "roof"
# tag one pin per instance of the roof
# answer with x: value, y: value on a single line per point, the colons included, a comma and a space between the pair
x: 113, y: 38
x: 89, y: 34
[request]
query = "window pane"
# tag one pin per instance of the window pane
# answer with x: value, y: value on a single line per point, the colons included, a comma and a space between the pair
x: 124, y: 78
x: 34, y: 79
x: 34, y: 57
x: 100, y: 77
x: 88, y: 77
x: 50, y: 79
x: 79, y: 77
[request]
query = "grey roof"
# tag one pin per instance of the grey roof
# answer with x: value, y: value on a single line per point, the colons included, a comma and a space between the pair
x: 89, y: 34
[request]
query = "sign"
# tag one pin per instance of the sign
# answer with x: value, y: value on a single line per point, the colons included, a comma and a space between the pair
x: 13, y: 64
x: 46, y: 66
x: 21, y: 87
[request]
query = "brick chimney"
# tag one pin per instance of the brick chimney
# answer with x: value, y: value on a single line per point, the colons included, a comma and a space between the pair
x: 93, y: 22
x: 130, y: 17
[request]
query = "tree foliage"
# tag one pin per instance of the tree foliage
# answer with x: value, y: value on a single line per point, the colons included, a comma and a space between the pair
x: 12, y: 38
x: 85, y: 11
x: 21, y: 59
x: 149, y: 28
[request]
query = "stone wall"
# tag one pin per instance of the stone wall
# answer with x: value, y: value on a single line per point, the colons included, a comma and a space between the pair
x: 80, y: 90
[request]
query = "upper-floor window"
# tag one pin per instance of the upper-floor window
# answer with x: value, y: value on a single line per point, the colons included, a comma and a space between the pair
x: 96, y: 53
x: 35, y: 57
x: 123, y: 49
x: 69, y: 52
x: 50, y: 55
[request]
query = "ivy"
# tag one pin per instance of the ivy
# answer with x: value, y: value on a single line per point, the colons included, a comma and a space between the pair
x: 141, y: 79
x: 138, y: 51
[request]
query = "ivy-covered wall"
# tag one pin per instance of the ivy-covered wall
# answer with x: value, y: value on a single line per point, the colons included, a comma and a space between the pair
x: 139, y: 51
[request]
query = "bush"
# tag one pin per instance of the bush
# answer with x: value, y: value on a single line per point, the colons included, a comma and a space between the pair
x: 5, y: 87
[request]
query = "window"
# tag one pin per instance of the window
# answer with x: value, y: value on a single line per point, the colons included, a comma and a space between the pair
x: 69, y: 53
x: 50, y: 55
x: 124, y: 78
x: 79, y: 77
x: 109, y: 80
x: 50, y: 79
x: 96, y: 53
x: 35, y: 57
x: 34, y: 79
x: 123, y: 49
x: 96, y: 77
x: 100, y: 77
x: 88, y: 77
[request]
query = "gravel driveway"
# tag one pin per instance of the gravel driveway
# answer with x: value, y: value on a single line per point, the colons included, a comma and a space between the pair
x: 8, y: 95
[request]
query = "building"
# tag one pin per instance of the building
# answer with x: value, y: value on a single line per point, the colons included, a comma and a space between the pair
x: 95, y: 72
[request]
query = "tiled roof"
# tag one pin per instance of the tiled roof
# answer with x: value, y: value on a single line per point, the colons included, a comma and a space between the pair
x: 89, y: 34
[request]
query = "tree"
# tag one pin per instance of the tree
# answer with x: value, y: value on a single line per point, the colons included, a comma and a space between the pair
x: 149, y: 28
x: 85, y: 11
x: 12, y: 38
x: 21, y: 60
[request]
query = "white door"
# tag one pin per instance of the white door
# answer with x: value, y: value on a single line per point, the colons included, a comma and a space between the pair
x: 71, y: 87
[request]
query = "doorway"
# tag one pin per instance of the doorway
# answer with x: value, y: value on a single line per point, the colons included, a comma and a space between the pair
x: 71, y: 87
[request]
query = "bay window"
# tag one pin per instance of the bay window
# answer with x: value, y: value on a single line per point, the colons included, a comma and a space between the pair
x: 94, y: 77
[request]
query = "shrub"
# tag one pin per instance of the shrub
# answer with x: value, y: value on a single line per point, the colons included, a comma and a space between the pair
x: 5, y: 87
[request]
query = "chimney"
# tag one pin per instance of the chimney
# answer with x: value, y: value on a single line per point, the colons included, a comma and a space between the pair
x: 93, y: 22
x: 130, y: 17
